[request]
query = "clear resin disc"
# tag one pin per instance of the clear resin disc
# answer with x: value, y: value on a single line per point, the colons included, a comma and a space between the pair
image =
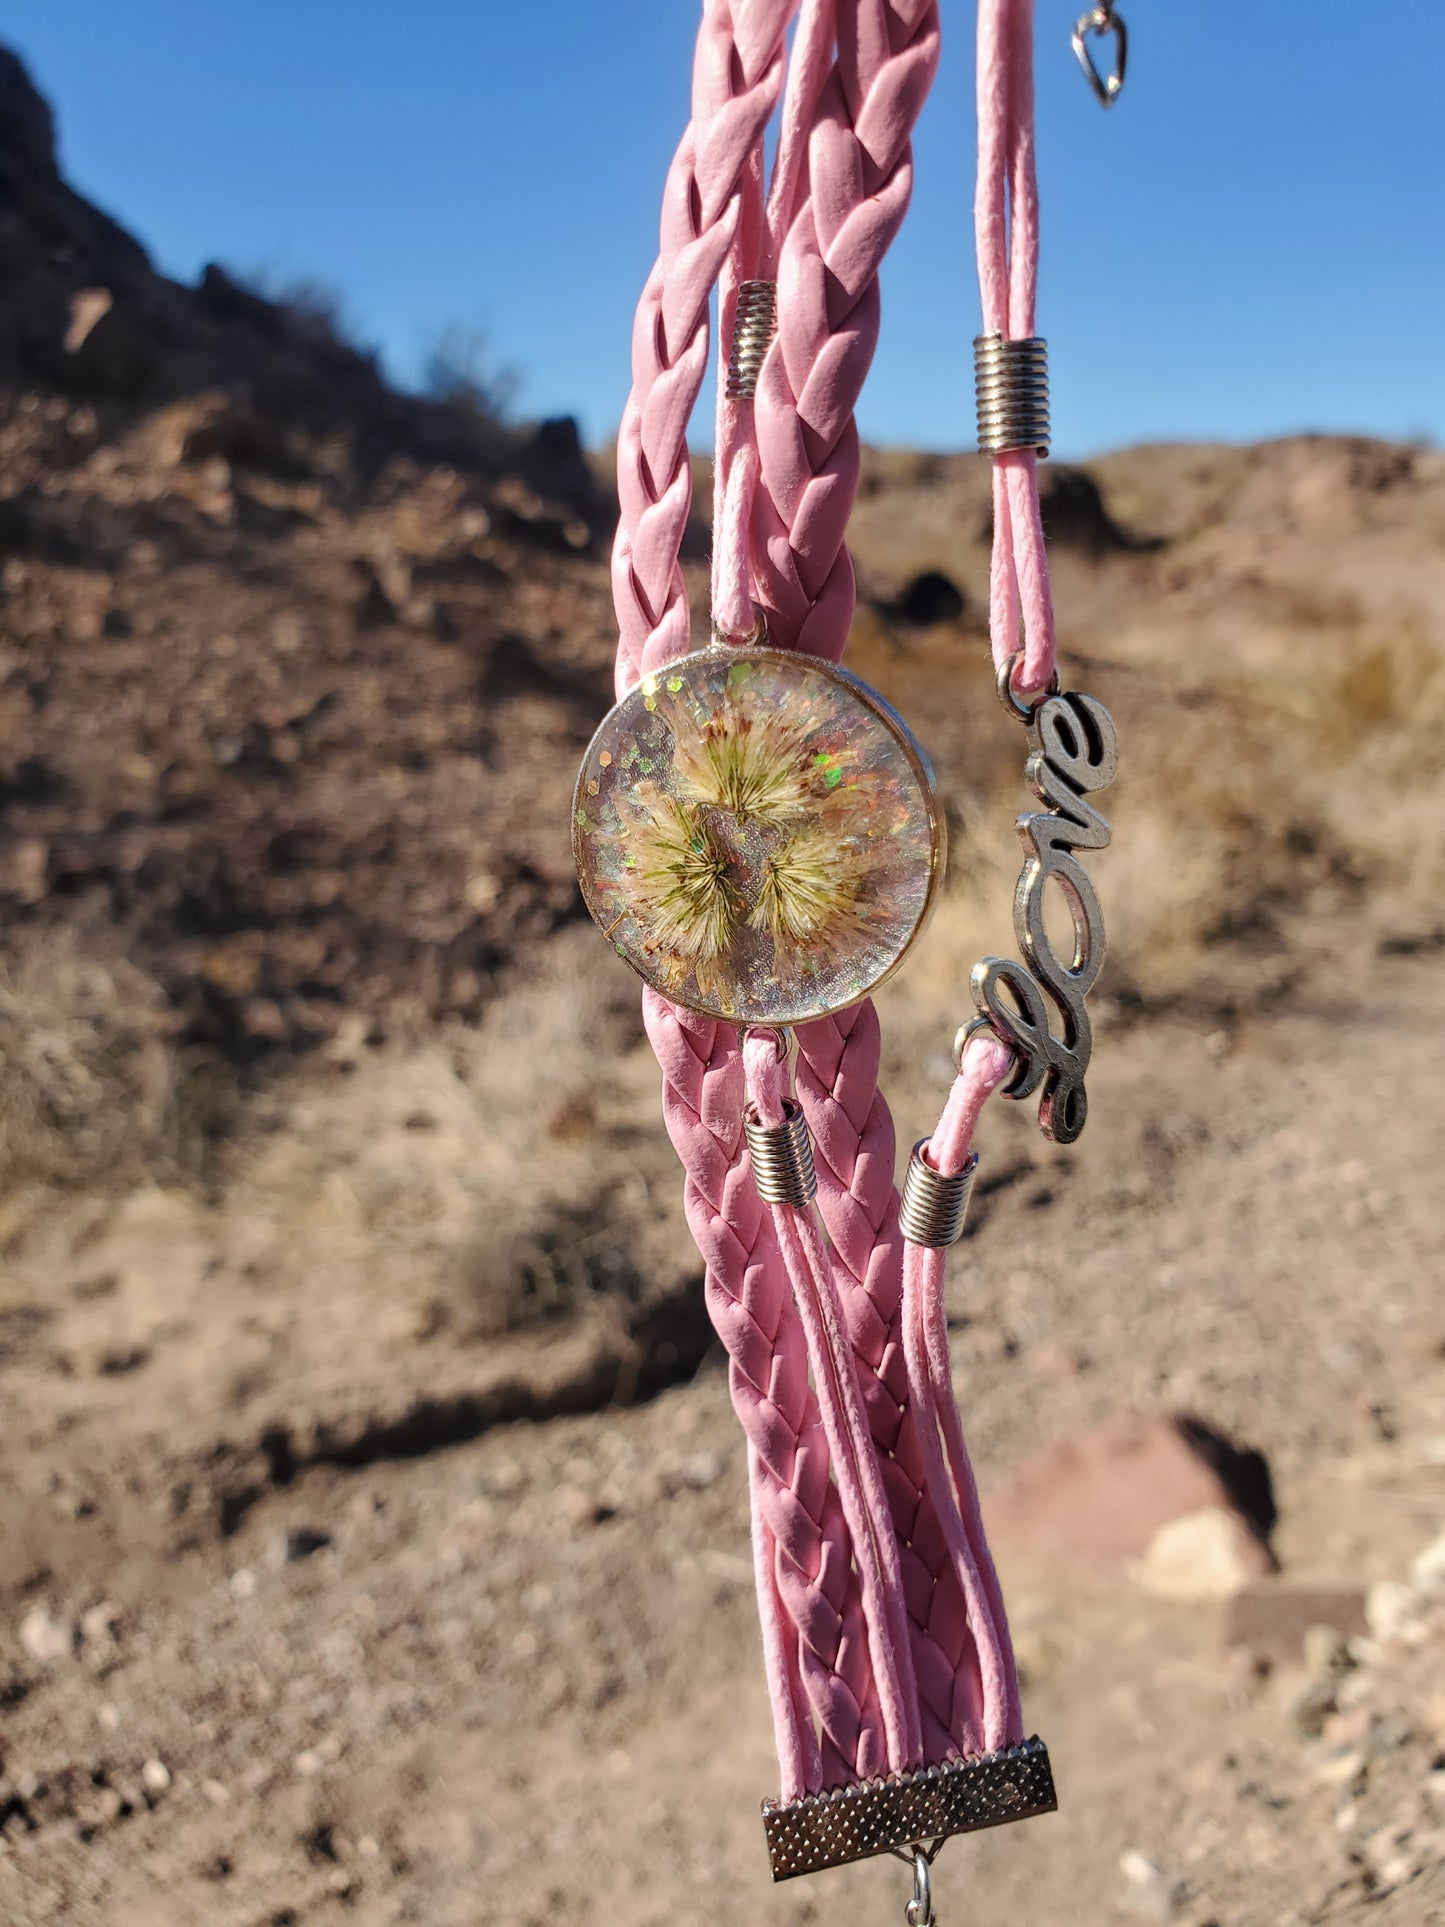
x: 757, y: 834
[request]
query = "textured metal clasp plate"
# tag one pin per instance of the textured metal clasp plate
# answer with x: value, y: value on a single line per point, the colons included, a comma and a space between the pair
x: 882, y: 1816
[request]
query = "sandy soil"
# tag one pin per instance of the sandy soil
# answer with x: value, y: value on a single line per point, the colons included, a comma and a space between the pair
x: 515, y: 1678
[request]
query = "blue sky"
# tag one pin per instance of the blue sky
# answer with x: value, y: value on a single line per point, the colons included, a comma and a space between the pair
x: 1252, y: 242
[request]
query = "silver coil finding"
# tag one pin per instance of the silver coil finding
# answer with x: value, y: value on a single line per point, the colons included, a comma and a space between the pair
x: 754, y: 325
x: 1011, y: 379
x: 782, y: 1156
x: 935, y: 1206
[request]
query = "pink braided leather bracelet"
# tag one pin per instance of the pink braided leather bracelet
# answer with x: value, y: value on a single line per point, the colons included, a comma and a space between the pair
x: 757, y: 835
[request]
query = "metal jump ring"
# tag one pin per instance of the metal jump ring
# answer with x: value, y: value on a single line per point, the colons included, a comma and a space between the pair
x: 919, y: 1911
x: 965, y: 1035
x: 756, y: 638
x: 1008, y: 696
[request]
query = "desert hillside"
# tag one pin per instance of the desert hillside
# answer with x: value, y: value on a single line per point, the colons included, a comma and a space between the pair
x: 373, y: 1522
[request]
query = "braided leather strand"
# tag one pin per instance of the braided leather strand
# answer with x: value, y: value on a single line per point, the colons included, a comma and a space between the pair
x: 752, y: 1309
x: 853, y: 1142
x: 737, y: 78
x: 736, y: 86
x: 799, y: 1758
x: 860, y: 182
x: 789, y: 465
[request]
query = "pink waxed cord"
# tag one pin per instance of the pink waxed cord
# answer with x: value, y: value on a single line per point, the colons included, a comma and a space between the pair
x: 987, y: 1063
x: 735, y: 461
x: 1006, y: 226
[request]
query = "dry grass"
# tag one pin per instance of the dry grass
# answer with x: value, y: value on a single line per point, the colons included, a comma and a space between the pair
x: 87, y: 1070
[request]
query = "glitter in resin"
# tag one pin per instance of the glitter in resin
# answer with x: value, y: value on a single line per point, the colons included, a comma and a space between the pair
x: 756, y: 834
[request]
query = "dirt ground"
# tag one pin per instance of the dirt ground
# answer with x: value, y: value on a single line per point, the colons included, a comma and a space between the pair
x: 516, y: 1679
x: 375, y: 1538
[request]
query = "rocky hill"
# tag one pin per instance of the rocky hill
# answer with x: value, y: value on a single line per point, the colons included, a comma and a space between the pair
x: 260, y: 614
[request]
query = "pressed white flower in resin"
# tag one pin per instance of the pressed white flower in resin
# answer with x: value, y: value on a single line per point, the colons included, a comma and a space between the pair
x: 756, y: 833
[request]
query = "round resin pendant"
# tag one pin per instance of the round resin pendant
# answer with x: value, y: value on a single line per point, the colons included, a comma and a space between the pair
x: 756, y: 833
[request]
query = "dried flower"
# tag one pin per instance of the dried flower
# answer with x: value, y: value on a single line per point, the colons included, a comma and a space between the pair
x: 810, y: 892
x: 683, y: 869
x: 756, y: 765
x: 758, y: 822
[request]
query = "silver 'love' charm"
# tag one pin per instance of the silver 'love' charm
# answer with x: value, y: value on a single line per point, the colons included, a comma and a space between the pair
x: 1073, y: 751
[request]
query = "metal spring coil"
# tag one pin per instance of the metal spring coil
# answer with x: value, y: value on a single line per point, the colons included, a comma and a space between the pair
x: 754, y: 325
x: 782, y: 1156
x: 934, y: 1206
x: 1011, y: 379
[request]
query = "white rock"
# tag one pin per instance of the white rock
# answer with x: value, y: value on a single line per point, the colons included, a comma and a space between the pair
x: 1428, y: 1572
x: 1151, y: 1893
x: 1199, y: 1556
x: 45, y: 1636
x: 1137, y: 1868
x: 1390, y: 1608
x: 155, y: 1776
x: 700, y: 1470
x: 1395, y: 1873
x: 1340, y: 1769
x: 98, y: 1624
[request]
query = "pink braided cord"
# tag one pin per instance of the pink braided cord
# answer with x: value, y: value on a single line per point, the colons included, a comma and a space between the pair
x: 853, y: 1144
x: 860, y: 1485
x: 1006, y: 227
x: 860, y: 164
x: 737, y: 77
x: 906, y: 1656
x: 708, y: 225
x: 754, y: 256
x: 826, y: 1658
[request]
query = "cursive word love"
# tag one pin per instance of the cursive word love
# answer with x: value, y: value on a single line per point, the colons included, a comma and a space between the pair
x: 1073, y: 751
